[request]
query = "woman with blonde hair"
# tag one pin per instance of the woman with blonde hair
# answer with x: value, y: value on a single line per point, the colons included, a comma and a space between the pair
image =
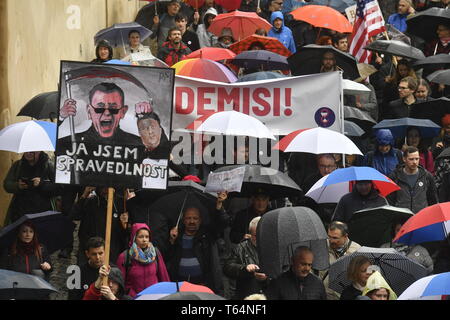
x: 357, y: 273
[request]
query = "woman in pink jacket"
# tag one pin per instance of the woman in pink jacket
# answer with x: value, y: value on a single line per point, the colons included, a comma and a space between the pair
x: 142, y: 264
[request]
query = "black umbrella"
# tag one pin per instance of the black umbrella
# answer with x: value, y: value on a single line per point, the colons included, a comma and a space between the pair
x: 22, y: 286
x: 433, y: 110
x: 441, y: 60
x: 266, y: 60
x: 396, y: 48
x: 43, y: 106
x: 444, y: 154
x: 308, y: 59
x: 361, y: 118
x: 351, y: 129
x: 424, y: 24
x: 146, y: 14
x: 186, y: 295
x: 53, y: 229
x: 117, y: 34
x: 276, y: 183
x: 281, y: 231
x: 440, y: 76
x: 373, y: 227
x: 393, y: 34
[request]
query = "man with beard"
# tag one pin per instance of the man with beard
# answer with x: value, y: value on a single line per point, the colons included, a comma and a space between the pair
x: 173, y: 50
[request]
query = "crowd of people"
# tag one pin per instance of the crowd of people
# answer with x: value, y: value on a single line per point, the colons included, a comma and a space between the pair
x: 218, y: 248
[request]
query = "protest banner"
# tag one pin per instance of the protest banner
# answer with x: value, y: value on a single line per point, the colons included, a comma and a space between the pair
x: 120, y: 131
x: 283, y: 105
x: 351, y: 13
x: 230, y: 181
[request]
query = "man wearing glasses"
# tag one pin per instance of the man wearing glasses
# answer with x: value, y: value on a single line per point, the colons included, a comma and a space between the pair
x: 400, y: 108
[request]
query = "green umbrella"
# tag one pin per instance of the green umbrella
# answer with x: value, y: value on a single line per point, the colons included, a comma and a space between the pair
x: 373, y: 227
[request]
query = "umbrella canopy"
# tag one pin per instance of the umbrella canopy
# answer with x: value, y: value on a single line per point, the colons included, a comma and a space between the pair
x: 18, y: 285
x: 331, y: 188
x: 229, y: 5
x: 360, y: 117
x: 162, y: 289
x: 396, y: 48
x: 398, y: 127
x: 211, y: 53
x: 444, y: 153
x: 146, y: 14
x: 440, y: 76
x: 281, y: 231
x: 117, y: 34
x: 351, y: 129
x: 196, y: 4
x: 433, y: 110
x: 308, y: 60
x: 429, y: 224
x: 399, y: 271
x: 354, y: 88
x: 204, y: 69
x: 233, y: 123
x: 317, y: 140
x: 424, y: 24
x: 193, y: 296
x: 263, y: 59
x: 28, y: 136
x: 120, y: 62
x: 54, y: 230
x: 276, y: 183
x: 323, y: 17
x: 373, y: 227
x: 428, y: 288
x: 242, y: 24
x: 262, y: 75
x: 393, y: 34
x: 43, y: 106
x: 441, y: 60
x: 270, y: 44
x: 338, y: 5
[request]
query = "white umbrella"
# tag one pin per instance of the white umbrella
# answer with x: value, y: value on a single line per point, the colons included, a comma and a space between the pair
x: 28, y: 136
x: 233, y: 123
x: 354, y: 88
x: 317, y: 140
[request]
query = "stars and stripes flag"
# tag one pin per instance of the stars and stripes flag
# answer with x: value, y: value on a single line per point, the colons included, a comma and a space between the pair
x: 369, y: 22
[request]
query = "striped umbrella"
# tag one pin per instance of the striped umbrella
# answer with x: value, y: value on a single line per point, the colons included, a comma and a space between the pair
x: 399, y: 271
x: 429, y: 288
x: 204, y: 69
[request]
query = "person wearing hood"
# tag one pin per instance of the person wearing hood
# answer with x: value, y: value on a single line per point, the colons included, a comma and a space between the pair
x: 103, y: 52
x: 378, y: 289
x: 31, y: 181
x: 115, y: 290
x: 385, y: 157
x: 418, y: 189
x: 398, y: 20
x: 206, y: 38
x: 281, y: 32
x: 363, y: 196
x: 225, y: 39
x: 142, y: 265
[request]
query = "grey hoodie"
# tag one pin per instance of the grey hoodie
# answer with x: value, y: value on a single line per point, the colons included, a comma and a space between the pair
x: 206, y: 38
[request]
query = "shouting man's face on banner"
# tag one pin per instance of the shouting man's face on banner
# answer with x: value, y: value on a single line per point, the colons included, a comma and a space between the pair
x: 106, y: 109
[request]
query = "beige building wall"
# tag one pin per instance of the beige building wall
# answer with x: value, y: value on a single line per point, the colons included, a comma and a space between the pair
x: 35, y: 35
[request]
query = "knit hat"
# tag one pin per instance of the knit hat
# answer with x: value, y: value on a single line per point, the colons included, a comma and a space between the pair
x: 226, y: 32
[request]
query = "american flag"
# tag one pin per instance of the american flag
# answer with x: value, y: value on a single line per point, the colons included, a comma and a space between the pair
x: 368, y: 23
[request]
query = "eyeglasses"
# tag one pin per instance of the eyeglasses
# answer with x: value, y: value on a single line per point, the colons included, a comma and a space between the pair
x: 102, y: 110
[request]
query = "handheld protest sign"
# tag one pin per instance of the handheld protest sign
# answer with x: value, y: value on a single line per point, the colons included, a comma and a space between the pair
x: 122, y: 121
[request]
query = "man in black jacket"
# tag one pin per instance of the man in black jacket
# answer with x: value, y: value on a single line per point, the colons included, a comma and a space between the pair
x: 189, y: 38
x: 418, y: 188
x: 401, y: 108
x: 298, y: 283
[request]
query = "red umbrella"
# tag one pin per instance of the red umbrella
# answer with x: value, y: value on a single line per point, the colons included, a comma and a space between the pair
x: 211, y: 53
x: 323, y: 17
x: 270, y: 44
x: 229, y: 5
x: 204, y: 69
x: 196, y: 4
x: 242, y: 24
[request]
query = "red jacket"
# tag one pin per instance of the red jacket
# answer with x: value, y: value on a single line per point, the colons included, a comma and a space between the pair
x: 170, y: 55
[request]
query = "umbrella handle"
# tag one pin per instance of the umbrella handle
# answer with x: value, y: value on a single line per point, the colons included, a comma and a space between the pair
x: 156, y: 8
x: 72, y: 130
x: 181, y: 210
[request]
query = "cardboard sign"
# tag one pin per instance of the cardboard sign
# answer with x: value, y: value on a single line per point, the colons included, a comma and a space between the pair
x: 230, y: 181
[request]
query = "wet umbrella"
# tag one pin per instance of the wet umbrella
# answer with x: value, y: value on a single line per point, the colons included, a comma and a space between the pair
x: 28, y: 136
x: 54, y: 230
x: 263, y: 59
x: 262, y: 75
x: 373, y: 227
x: 146, y: 14
x: 433, y: 110
x: 165, y: 288
x: 424, y: 24
x: 229, y: 5
x: 270, y: 44
x: 396, y: 48
x: 398, y: 127
x: 351, y: 129
x: 393, y: 34
x: 398, y: 270
x: 338, y: 5
x: 361, y: 118
x: 22, y: 286
x: 444, y: 153
x: 117, y: 34
x: 211, y: 53
x: 323, y: 17
x: 440, y: 76
x: 193, y: 296
x: 42, y: 106
x: 274, y: 182
x: 441, y: 60
x: 308, y: 60
x: 281, y: 231
x: 433, y: 287
x: 204, y: 69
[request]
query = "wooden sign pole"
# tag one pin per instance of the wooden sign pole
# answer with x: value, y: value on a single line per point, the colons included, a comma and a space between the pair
x: 108, y: 229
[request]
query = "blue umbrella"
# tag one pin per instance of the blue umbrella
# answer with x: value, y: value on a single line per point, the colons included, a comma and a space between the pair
x: 116, y: 61
x: 267, y: 60
x: 117, y: 34
x: 262, y: 75
x: 428, y: 288
x: 398, y: 127
x: 53, y: 229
